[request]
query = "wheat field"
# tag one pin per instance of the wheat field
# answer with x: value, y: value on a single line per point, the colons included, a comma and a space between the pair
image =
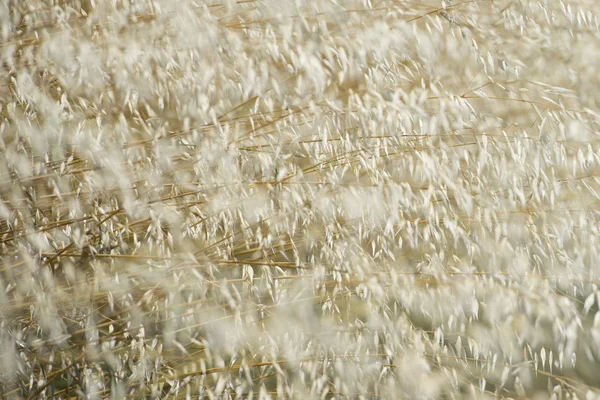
x: 299, y: 199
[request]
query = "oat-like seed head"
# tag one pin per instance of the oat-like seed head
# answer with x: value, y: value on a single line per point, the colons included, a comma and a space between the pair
x: 286, y: 199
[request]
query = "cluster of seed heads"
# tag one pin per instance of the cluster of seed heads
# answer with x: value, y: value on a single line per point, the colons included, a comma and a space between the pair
x: 294, y: 199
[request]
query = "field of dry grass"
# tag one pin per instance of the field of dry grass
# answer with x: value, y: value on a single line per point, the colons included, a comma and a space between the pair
x: 294, y: 199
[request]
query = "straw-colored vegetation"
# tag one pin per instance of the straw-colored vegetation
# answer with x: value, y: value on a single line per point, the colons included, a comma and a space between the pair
x: 261, y: 199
